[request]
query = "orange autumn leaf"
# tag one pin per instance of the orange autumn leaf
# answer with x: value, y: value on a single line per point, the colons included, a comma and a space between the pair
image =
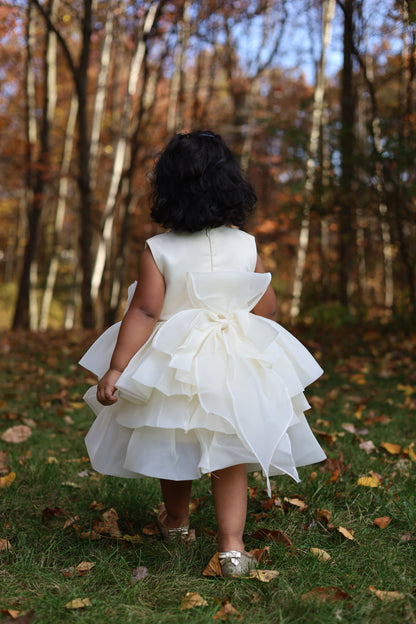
x: 323, y: 515
x: 325, y: 594
x: 226, y: 612
x: 382, y: 522
x: 83, y: 568
x: 410, y: 452
x: 7, y: 480
x: 387, y: 595
x: 191, y: 600
x: 5, y: 544
x: 275, y: 535
x: 393, y: 449
x: 296, y: 501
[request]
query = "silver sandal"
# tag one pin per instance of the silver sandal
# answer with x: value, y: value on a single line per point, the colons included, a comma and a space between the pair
x: 236, y: 563
x: 169, y: 533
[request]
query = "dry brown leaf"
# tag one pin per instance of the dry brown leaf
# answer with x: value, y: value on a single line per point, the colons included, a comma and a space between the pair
x: 296, y: 501
x: 275, y: 535
x: 261, y: 554
x: 7, y: 480
x: 83, y: 568
x: 12, y: 612
x: 5, y: 544
x: 24, y: 618
x: 151, y: 529
x: 382, y: 522
x: 393, y: 449
x: 214, y: 567
x: 95, y: 505
x: 320, y: 554
x: 70, y: 522
x: 110, y: 518
x: 4, y: 469
x: 265, y: 576
x: 78, y: 603
x: 325, y: 594
x: 387, y: 595
x: 323, y: 515
x: 16, y: 434
x: 348, y: 534
x: 191, y: 600
x: 227, y: 612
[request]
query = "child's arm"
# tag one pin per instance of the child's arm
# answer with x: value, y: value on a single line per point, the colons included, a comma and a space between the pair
x: 267, y: 305
x: 137, y: 325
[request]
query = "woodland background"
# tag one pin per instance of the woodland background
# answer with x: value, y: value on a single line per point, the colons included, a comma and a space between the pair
x: 317, y: 97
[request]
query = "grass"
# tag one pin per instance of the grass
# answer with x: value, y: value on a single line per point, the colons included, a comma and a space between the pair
x: 368, y: 383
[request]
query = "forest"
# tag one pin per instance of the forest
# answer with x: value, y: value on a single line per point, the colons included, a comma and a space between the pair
x: 316, y: 97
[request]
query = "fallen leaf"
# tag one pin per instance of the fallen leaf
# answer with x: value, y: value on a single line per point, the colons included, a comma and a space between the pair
x: 393, y: 449
x: 4, y: 469
x: 368, y: 446
x: 213, y: 568
x: 261, y: 554
x: 7, y: 480
x: 83, y: 568
x: 346, y: 533
x: 265, y: 576
x: 296, y: 501
x: 382, y: 522
x: 68, y: 572
x: 368, y: 482
x: 320, y: 554
x: 227, y: 612
x: 24, y: 618
x: 191, y: 600
x: 275, y: 535
x: 151, y: 529
x: 5, y: 544
x: 323, y: 515
x: 387, y: 595
x: 12, y: 612
x: 70, y: 522
x: 409, y: 451
x: 407, y: 537
x: 16, y: 434
x: 110, y: 518
x: 138, y: 574
x: 78, y: 603
x: 325, y: 594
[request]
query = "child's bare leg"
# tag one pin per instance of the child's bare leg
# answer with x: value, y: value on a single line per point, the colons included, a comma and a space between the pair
x: 229, y: 488
x: 176, y: 496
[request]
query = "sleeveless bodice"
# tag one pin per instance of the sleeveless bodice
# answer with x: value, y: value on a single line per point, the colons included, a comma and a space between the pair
x: 179, y: 253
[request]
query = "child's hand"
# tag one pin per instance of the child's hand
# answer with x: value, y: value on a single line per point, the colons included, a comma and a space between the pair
x: 107, y: 387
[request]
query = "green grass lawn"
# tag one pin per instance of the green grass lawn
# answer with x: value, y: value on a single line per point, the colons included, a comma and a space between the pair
x: 51, y: 514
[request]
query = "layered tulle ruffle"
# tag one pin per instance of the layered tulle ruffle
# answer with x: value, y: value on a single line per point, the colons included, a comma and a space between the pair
x: 214, y: 386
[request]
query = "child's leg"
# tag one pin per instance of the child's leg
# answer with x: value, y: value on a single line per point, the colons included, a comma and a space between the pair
x: 229, y: 488
x: 176, y: 496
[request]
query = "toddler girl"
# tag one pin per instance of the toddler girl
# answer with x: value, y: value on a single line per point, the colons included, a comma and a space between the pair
x: 201, y: 378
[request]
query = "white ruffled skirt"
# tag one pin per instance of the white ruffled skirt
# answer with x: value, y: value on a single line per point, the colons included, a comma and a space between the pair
x: 214, y: 386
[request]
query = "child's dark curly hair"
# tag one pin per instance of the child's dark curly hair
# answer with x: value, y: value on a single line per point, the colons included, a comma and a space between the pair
x: 198, y: 184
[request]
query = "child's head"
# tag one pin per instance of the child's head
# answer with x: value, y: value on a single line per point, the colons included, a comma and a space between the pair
x: 198, y: 184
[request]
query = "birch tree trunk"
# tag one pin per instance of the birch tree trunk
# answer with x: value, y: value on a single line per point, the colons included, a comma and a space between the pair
x: 59, y: 214
x: 121, y: 149
x: 328, y: 11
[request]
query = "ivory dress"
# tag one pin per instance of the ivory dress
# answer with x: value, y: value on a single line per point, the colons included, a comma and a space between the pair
x: 215, y: 385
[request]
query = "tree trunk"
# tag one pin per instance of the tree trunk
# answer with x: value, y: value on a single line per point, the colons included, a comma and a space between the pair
x: 60, y: 213
x: 313, y: 152
x: 26, y: 312
x: 347, y: 147
x: 121, y: 149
